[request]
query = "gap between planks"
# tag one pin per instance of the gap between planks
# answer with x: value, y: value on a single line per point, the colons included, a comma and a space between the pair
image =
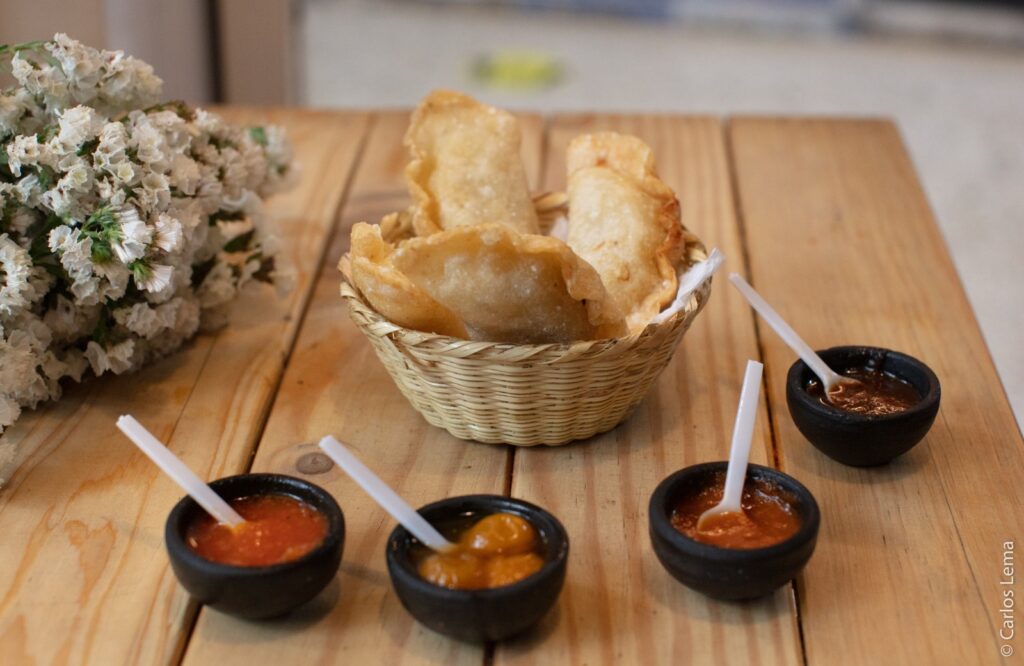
x: 490, y: 647
x: 776, y: 450
x: 303, y: 308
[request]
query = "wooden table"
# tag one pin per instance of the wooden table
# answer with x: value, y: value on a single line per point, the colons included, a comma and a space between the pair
x: 824, y: 216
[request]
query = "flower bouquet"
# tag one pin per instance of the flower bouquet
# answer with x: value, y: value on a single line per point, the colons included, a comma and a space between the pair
x: 125, y: 224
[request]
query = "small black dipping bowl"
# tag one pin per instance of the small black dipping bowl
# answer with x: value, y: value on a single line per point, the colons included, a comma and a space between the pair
x: 257, y: 592
x: 730, y: 573
x: 858, y: 439
x: 480, y: 615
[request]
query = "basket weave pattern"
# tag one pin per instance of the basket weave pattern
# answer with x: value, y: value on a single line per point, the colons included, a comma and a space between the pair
x: 525, y: 394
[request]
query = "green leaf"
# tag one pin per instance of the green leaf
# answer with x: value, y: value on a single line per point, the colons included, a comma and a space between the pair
x: 101, y: 251
x: 140, y: 269
x: 24, y: 46
x: 259, y: 135
x: 46, y: 175
x: 102, y: 219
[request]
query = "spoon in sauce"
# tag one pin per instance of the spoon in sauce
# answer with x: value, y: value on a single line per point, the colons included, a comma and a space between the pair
x: 179, y: 472
x: 387, y: 498
x: 739, y: 453
x: 830, y: 379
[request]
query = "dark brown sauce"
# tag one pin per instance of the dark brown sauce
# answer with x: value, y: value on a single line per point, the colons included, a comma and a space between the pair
x: 876, y: 393
x: 768, y: 515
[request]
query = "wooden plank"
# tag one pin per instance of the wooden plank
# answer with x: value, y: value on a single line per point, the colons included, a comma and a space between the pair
x: 619, y: 605
x: 335, y: 384
x: 910, y: 555
x: 82, y: 512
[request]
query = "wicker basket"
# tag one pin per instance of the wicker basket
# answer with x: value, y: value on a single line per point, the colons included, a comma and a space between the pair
x: 525, y: 395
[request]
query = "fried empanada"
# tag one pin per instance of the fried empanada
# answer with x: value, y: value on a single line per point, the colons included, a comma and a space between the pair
x: 624, y: 221
x: 390, y: 292
x: 511, y: 287
x: 466, y: 168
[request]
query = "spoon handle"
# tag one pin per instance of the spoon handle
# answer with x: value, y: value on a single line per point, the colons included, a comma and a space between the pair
x: 742, y: 436
x: 827, y: 376
x: 387, y: 498
x: 173, y: 467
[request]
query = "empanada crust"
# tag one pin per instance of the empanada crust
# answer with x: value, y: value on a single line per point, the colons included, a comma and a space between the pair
x: 511, y: 287
x: 624, y: 221
x: 466, y: 167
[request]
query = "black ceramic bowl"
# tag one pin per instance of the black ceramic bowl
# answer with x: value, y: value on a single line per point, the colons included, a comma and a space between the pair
x: 727, y: 573
x: 257, y: 592
x: 480, y: 615
x: 858, y: 439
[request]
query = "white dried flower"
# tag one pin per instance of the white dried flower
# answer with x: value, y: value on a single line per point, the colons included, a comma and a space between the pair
x: 185, y: 174
x: 15, y: 268
x: 116, y: 359
x: 77, y: 125
x: 10, y: 410
x: 22, y: 219
x: 155, y: 277
x: 23, y: 150
x: 114, y: 278
x: 134, y: 236
x: 106, y: 191
x: 10, y: 112
x: 167, y: 233
x: 218, y: 287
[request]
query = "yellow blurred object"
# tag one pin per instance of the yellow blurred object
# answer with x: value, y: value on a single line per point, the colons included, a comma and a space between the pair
x: 518, y: 70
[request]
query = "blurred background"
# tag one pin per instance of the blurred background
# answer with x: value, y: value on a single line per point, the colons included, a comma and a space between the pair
x: 951, y: 73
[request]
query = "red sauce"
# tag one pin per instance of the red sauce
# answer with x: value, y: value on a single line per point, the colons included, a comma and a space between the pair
x: 875, y: 393
x: 768, y: 515
x: 277, y: 529
x: 497, y: 550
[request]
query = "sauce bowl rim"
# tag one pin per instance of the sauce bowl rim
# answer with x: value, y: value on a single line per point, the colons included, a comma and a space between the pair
x: 275, y: 483
x: 559, y: 540
x: 795, y: 380
x: 661, y: 522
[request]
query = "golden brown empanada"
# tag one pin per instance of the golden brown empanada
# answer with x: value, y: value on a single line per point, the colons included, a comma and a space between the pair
x: 466, y: 168
x: 511, y: 287
x: 390, y: 292
x: 624, y: 221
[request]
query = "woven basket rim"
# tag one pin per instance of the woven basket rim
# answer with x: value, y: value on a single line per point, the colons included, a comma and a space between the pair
x: 693, y: 253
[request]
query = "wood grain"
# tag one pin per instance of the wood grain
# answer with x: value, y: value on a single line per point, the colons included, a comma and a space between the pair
x: 619, y: 605
x: 837, y: 234
x: 85, y: 576
x: 335, y: 384
x: 910, y: 555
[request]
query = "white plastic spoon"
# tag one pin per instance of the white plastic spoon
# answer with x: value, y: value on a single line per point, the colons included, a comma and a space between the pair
x: 694, y: 277
x: 173, y: 467
x: 739, y: 454
x: 829, y: 378
x: 383, y: 495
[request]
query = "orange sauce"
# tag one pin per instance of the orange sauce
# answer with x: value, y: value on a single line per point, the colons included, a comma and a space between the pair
x: 277, y: 529
x: 498, y: 550
x: 768, y: 515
